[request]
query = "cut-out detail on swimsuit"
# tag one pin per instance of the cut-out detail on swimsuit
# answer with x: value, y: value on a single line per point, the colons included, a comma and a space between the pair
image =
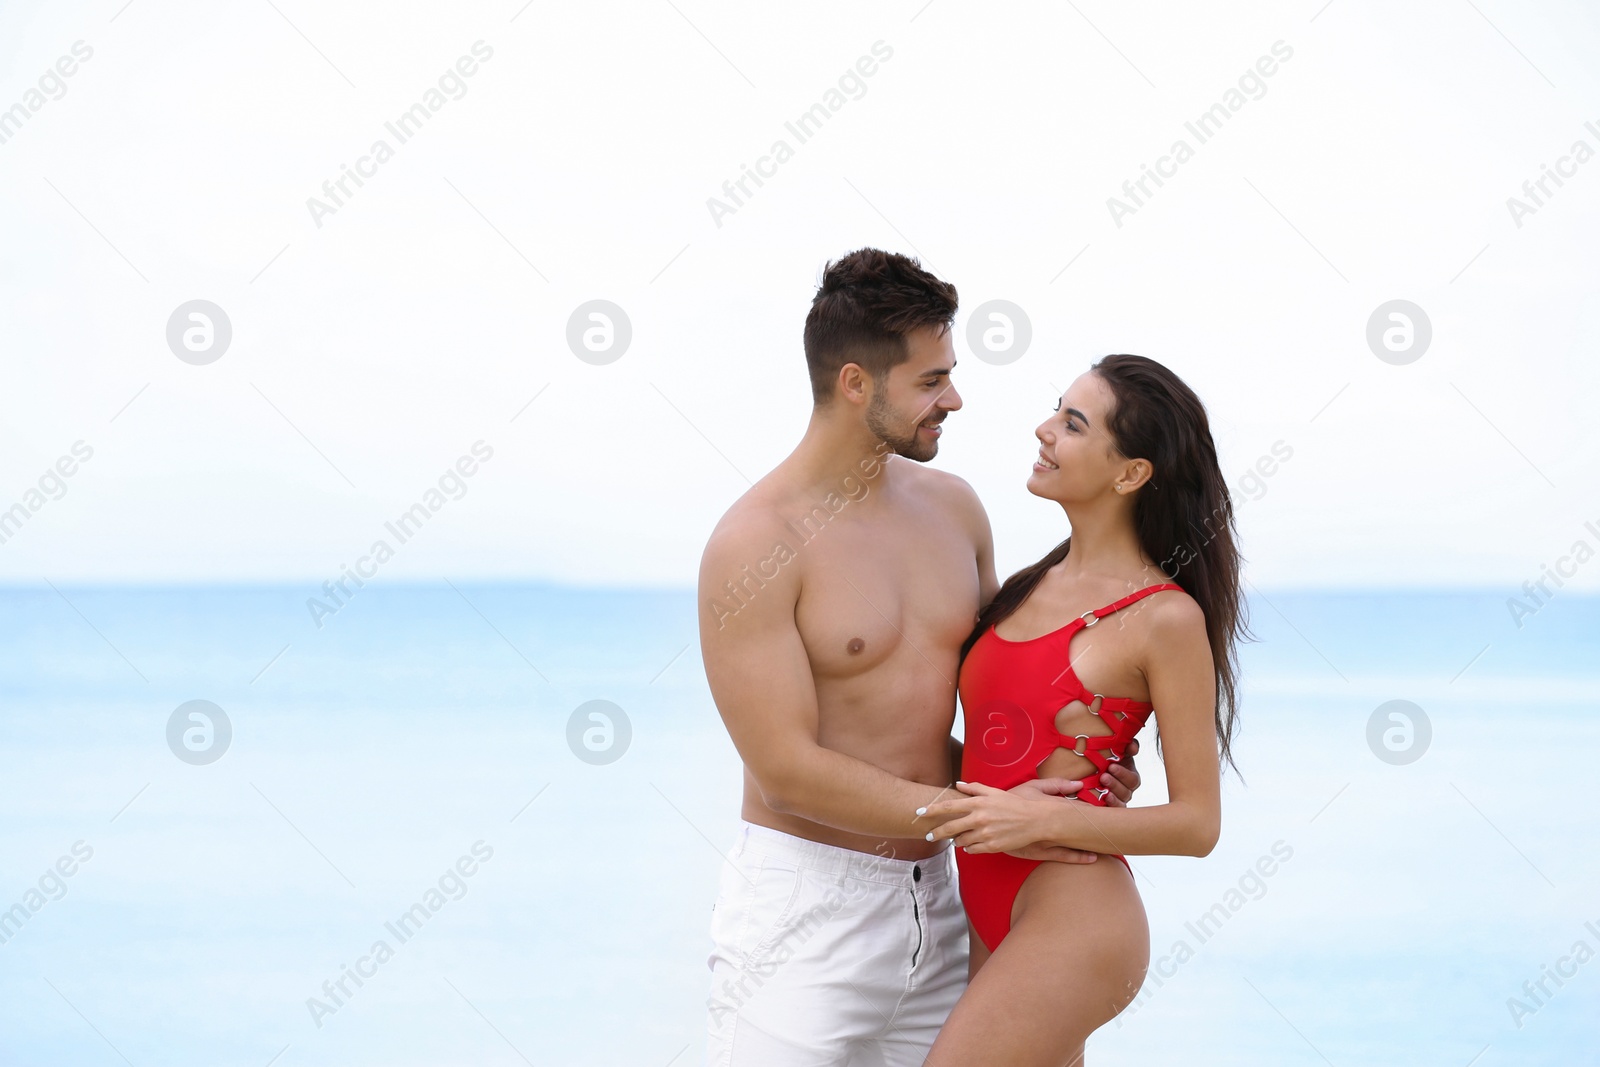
x: 1026, y: 675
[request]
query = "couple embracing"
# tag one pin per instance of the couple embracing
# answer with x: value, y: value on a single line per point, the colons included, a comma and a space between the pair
x: 850, y: 597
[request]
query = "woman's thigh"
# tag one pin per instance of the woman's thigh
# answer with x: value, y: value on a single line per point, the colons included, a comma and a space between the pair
x: 1075, y: 957
x: 977, y: 952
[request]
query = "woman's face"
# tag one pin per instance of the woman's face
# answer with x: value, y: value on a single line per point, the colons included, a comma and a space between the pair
x: 1077, y: 460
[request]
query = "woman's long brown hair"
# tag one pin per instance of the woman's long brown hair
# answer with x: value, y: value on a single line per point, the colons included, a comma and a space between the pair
x: 1183, y: 517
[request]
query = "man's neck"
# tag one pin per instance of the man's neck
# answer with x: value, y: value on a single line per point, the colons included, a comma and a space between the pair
x: 835, y: 448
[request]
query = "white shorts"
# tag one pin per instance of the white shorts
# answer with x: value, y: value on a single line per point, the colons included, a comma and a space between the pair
x: 826, y: 957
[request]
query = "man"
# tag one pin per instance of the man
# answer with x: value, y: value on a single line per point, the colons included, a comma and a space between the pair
x: 834, y: 599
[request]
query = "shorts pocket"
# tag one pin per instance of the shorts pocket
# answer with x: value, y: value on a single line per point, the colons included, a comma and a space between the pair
x: 756, y: 896
x: 783, y: 891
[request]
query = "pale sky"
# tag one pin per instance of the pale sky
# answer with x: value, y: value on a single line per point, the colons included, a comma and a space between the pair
x: 374, y: 345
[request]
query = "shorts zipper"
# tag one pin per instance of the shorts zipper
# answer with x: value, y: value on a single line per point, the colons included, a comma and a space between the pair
x: 916, y: 916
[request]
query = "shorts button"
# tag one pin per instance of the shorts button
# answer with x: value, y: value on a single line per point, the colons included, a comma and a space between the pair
x: 916, y: 872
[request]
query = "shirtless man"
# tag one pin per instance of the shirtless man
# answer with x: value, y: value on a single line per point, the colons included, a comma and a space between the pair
x: 834, y: 599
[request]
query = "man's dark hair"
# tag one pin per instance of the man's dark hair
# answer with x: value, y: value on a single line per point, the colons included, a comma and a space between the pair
x: 866, y: 304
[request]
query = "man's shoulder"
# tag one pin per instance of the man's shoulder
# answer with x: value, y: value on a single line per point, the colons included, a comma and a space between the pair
x: 750, y: 515
x: 743, y: 566
x: 752, y: 523
x: 923, y: 479
x: 946, y: 489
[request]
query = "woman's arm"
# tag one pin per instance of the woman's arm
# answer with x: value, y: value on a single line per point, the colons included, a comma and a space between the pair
x: 1177, y: 664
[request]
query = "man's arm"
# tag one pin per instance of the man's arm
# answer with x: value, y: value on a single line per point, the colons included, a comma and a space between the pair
x: 983, y: 538
x: 988, y: 584
x: 761, y: 681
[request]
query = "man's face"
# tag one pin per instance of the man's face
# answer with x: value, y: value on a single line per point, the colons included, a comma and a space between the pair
x: 910, y: 402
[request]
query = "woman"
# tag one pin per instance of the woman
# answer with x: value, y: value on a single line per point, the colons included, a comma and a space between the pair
x: 1141, y: 601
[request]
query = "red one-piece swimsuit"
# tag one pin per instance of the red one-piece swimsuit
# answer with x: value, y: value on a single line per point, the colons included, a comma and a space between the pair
x: 1010, y: 694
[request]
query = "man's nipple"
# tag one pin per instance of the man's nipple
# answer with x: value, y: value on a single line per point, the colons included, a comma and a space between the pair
x: 855, y: 646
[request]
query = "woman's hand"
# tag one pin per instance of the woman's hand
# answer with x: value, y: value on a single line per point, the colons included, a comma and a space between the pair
x: 994, y: 820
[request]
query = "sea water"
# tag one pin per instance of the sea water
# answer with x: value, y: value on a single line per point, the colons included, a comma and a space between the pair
x: 1389, y: 893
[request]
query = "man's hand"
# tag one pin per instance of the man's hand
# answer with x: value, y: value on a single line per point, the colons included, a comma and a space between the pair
x: 1053, y: 854
x: 1122, y: 779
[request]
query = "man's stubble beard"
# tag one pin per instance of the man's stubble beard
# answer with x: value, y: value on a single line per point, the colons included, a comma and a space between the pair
x: 880, y: 421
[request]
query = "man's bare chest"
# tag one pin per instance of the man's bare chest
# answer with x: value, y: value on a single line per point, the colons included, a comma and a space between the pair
x: 873, y: 592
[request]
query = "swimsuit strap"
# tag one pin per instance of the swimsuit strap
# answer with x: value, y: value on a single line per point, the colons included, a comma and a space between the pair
x: 1105, y: 749
x: 1089, y: 618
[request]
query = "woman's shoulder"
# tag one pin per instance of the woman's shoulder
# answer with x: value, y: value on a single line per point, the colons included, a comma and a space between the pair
x: 1174, y: 613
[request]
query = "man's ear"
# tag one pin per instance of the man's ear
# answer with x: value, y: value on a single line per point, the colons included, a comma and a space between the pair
x: 853, y: 383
